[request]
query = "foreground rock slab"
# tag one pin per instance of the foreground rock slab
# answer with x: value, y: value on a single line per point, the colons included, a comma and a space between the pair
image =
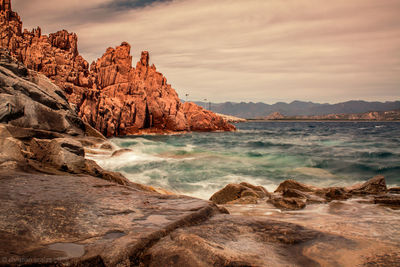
x: 71, y: 219
x: 79, y: 220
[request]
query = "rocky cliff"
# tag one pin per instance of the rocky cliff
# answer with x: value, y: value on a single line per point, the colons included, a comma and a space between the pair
x: 110, y: 94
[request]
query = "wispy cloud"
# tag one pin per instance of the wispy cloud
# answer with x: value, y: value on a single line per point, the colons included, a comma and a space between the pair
x: 245, y: 50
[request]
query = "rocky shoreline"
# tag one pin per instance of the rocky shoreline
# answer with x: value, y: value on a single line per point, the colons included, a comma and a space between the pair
x: 292, y: 195
x: 61, y: 209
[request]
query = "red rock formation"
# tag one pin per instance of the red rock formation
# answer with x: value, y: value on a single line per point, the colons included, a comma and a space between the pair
x: 5, y: 5
x: 111, y: 95
x: 200, y: 119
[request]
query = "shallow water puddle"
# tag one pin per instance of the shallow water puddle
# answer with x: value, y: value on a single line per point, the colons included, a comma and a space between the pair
x: 114, y: 235
x: 71, y: 250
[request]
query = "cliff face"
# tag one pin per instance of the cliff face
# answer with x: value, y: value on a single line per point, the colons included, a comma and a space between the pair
x: 130, y: 98
x: 111, y: 95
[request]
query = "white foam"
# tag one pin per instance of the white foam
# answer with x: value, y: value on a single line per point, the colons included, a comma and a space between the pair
x: 123, y: 160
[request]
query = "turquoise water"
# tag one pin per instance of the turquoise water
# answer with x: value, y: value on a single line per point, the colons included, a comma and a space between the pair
x: 262, y: 153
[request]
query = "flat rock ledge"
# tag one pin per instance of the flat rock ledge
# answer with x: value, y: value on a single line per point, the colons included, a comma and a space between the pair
x: 66, y: 220
x: 80, y: 220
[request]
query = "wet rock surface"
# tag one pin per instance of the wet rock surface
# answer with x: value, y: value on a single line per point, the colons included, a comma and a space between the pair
x: 226, y: 240
x: 243, y: 193
x: 106, y: 220
x: 352, y: 232
x: 392, y: 200
x: 292, y: 195
x: 69, y: 220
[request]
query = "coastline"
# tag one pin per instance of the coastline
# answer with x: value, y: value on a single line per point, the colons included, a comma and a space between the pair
x: 62, y: 208
x: 312, y: 120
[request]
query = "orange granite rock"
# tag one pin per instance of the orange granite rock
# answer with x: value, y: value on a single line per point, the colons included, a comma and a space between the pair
x: 111, y: 95
x: 200, y: 119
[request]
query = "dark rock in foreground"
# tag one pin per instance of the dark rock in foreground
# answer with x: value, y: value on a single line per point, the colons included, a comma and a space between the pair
x: 389, y: 199
x: 111, y: 223
x: 65, y: 220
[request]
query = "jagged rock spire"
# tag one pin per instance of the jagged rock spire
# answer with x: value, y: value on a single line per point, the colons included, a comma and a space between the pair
x: 5, y: 5
x: 144, y: 59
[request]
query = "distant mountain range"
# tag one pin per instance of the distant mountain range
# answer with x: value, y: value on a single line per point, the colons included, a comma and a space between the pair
x: 297, y: 108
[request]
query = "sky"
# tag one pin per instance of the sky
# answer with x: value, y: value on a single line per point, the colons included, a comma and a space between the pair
x: 244, y: 50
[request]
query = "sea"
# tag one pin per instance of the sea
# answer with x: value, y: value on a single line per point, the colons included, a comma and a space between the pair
x: 261, y: 153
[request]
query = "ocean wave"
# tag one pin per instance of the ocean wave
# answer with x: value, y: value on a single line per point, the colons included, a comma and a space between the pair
x: 378, y: 154
x: 199, y: 164
x: 264, y: 144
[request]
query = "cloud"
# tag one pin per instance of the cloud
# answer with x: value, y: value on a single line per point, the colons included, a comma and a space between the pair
x: 252, y: 50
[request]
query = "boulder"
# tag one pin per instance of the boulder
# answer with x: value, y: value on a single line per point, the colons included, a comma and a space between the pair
x: 30, y: 100
x: 12, y: 149
x: 376, y: 185
x: 243, y: 193
x: 66, y: 154
x: 333, y: 193
x: 310, y: 198
x: 292, y: 184
x: 288, y: 203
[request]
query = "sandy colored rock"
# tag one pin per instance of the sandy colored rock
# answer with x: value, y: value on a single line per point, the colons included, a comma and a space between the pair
x: 292, y: 184
x: 334, y: 193
x: 64, y: 154
x: 288, y: 203
x: 243, y: 193
x: 110, y: 224
x: 394, y: 190
x: 376, y: 185
x: 255, y: 243
x: 11, y: 149
x: 310, y: 198
x: 388, y: 199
